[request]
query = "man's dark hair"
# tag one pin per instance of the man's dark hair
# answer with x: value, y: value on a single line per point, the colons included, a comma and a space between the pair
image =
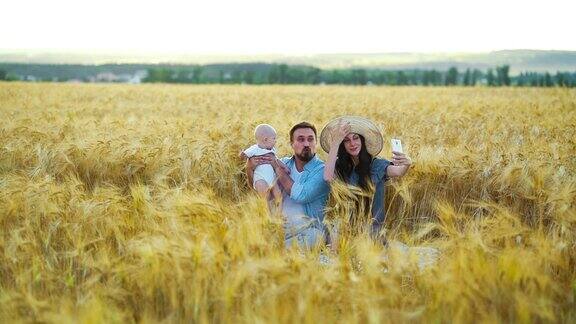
x: 302, y: 125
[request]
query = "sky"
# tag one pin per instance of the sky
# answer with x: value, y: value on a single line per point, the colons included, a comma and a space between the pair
x: 287, y: 27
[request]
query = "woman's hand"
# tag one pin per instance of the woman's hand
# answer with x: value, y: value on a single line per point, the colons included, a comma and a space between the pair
x: 342, y: 129
x: 400, y: 165
x: 401, y: 159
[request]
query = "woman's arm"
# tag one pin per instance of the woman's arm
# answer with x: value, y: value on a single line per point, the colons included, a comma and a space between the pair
x: 401, y: 164
x: 330, y: 165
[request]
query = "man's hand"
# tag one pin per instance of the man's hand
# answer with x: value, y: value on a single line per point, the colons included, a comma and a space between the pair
x: 255, y: 161
x: 279, y: 166
x: 401, y: 159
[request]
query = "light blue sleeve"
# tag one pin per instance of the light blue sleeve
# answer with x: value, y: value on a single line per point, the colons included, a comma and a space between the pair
x: 378, y: 170
x: 314, y: 187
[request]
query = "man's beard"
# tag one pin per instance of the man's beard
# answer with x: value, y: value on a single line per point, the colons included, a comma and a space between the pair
x: 305, y: 156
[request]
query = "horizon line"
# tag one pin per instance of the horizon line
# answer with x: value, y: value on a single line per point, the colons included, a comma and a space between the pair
x: 279, y: 53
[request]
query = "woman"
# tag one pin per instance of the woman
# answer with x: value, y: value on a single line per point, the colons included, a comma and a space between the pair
x: 352, y: 144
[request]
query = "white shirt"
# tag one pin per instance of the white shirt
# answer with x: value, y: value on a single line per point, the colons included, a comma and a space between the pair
x: 256, y: 150
x: 292, y: 210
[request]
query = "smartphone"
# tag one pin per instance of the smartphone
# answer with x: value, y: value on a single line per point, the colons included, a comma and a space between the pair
x: 397, y: 145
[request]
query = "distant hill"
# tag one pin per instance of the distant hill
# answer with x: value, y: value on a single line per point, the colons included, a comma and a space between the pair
x: 519, y: 60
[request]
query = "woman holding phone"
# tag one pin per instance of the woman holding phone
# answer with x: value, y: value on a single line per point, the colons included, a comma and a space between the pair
x: 352, y: 144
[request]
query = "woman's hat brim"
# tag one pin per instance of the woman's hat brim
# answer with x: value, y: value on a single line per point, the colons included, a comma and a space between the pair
x: 359, y: 125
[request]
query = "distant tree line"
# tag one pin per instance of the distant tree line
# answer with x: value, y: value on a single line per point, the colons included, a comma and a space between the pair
x: 262, y: 73
x: 4, y: 76
x: 286, y: 74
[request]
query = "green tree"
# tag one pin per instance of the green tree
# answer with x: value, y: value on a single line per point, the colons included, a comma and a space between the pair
x: 548, y: 80
x: 237, y: 76
x: 426, y: 78
x: 490, y: 80
x: 248, y: 77
x: 413, y: 78
x: 359, y: 77
x: 521, y: 80
x: 534, y: 80
x: 221, y: 76
x: 197, y: 73
x: 561, y: 79
x: 503, y: 79
x: 283, y: 74
x: 159, y: 75
x: 401, y: 78
x: 3, y: 75
x: 476, y: 75
x: 313, y: 76
x: 451, y: 77
x: 274, y: 75
x: 436, y: 77
x: 295, y: 75
x: 467, y: 78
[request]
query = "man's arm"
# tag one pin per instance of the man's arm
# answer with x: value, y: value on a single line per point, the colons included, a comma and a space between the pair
x: 283, y: 175
x: 250, y: 172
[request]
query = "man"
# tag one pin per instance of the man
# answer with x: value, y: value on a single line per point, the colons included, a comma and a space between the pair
x: 304, y: 189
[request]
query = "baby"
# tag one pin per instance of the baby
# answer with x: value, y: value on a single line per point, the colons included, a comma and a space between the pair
x: 264, y: 174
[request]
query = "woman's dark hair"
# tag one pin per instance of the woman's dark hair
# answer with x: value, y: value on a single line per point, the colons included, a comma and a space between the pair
x: 344, y: 167
x: 344, y: 164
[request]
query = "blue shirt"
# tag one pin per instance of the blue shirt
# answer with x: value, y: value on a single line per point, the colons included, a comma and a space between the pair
x: 378, y: 176
x: 311, y: 190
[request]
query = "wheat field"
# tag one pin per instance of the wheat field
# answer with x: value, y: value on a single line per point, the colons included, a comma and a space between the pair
x: 128, y: 203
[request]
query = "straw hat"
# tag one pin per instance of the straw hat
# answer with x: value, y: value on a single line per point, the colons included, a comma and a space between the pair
x: 358, y: 125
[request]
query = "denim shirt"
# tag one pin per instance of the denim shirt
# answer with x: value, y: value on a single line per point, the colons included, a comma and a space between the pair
x: 378, y: 176
x: 311, y: 190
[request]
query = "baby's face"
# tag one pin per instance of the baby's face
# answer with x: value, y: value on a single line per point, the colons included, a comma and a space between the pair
x: 268, y: 141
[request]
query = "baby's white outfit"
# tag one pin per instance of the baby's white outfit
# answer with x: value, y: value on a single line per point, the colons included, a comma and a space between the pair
x: 264, y: 171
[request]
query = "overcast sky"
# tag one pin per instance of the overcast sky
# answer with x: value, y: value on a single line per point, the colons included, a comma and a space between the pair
x: 290, y: 27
